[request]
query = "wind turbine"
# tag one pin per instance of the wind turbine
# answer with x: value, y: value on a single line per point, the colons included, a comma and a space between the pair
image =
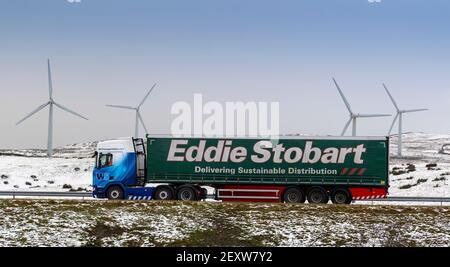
x: 399, y: 116
x: 50, y: 103
x: 138, y: 113
x: 354, y: 116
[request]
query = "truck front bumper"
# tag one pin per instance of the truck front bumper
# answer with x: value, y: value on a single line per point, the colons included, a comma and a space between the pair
x: 98, y: 192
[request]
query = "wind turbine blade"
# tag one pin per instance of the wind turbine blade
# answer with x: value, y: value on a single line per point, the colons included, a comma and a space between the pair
x: 372, y: 115
x: 34, y: 112
x: 118, y: 106
x: 142, y: 122
x: 70, y: 111
x: 343, y: 97
x: 50, y: 83
x: 346, y: 126
x: 391, y: 97
x: 145, y: 98
x: 415, y: 110
x: 393, y: 123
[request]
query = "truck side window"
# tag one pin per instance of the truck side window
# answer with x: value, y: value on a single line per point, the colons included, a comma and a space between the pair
x: 105, y: 160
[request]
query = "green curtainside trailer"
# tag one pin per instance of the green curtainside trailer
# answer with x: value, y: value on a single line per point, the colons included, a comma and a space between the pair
x: 292, y: 169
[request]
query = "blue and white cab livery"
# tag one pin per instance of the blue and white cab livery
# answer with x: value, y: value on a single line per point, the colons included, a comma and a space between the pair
x: 119, y: 171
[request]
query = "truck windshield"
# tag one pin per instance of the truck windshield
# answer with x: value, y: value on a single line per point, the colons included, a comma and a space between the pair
x: 104, y: 160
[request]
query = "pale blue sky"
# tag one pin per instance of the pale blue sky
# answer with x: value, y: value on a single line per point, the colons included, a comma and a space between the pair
x: 110, y: 51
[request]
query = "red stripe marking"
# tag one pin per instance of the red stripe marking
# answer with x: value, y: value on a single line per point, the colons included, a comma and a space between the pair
x: 344, y: 171
x: 362, y: 171
x: 352, y: 172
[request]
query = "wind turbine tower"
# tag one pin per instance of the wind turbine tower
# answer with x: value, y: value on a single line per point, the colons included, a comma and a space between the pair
x: 51, y: 103
x: 354, y: 116
x: 138, y: 113
x: 399, y: 116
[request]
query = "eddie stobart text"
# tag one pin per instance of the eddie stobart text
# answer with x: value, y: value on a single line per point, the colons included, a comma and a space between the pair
x: 263, y: 152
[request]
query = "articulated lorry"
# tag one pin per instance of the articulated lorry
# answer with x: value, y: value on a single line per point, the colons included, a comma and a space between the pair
x: 291, y: 169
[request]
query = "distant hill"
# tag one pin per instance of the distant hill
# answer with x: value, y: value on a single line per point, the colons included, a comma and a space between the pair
x: 81, y: 150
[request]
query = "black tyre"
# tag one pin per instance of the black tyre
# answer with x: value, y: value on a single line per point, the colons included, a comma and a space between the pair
x: 114, y: 193
x: 294, y: 195
x: 341, y: 196
x: 317, y: 195
x: 186, y: 193
x: 164, y: 193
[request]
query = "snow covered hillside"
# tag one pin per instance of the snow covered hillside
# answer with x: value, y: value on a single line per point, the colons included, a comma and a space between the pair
x: 421, y: 148
x: 30, y: 169
x: 31, y: 173
x: 421, y: 172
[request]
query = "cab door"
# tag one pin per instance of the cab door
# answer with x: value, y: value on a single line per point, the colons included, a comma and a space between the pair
x: 102, y: 171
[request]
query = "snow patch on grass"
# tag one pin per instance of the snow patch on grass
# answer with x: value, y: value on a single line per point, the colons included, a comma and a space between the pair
x: 104, y: 223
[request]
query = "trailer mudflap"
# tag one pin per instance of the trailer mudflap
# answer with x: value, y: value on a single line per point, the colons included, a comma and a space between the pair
x: 362, y: 193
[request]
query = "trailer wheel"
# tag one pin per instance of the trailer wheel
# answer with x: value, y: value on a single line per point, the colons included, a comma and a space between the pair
x: 114, y: 193
x: 164, y: 193
x: 186, y: 193
x: 294, y: 195
x: 341, y: 196
x: 317, y: 195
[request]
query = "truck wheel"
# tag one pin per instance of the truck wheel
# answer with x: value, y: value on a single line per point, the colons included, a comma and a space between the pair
x: 164, y: 193
x: 294, y: 195
x: 186, y: 193
x: 317, y: 195
x: 341, y: 196
x: 114, y: 193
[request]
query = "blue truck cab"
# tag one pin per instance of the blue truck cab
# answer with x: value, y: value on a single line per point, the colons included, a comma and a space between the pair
x: 119, y: 171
